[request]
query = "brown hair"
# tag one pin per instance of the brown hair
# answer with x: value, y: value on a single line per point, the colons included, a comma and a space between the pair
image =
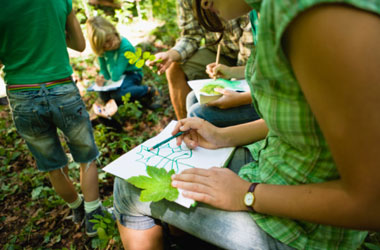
x: 208, y: 19
x: 97, y: 30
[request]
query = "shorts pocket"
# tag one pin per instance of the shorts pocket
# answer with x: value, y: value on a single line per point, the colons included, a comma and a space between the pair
x: 28, y: 124
x: 74, y: 113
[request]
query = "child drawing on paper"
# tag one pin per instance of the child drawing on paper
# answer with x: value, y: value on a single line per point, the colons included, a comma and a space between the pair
x: 312, y: 179
x: 110, y: 47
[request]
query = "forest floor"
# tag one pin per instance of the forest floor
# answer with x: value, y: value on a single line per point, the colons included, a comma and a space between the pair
x: 32, y: 216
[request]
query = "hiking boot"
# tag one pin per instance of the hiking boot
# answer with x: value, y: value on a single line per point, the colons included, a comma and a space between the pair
x: 78, y: 213
x: 151, y: 99
x: 154, y: 98
x: 90, y: 231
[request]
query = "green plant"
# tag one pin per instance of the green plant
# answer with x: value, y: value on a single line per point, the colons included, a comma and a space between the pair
x: 130, y: 110
x: 107, y: 231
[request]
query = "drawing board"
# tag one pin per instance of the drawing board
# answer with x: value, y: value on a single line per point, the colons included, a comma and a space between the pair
x: 168, y: 156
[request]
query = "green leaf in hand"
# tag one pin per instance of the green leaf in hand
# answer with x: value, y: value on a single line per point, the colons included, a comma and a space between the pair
x: 146, y: 55
x: 138, y: 52
x: 140, y: 63
x: 133, y: 60
x: 157, y: 186
x: 129, y: 54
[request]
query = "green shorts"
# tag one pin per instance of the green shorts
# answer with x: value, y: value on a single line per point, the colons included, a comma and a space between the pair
x: 195, y: 66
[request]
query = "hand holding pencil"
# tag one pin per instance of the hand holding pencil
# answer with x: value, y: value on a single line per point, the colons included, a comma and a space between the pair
x: 217, y: 57
x: 198, y: 133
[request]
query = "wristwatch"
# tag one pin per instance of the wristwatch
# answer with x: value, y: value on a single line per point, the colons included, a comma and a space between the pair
x: 249, y: 197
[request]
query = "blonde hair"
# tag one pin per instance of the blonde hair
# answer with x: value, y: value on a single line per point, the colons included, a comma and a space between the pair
x: 98, y: 28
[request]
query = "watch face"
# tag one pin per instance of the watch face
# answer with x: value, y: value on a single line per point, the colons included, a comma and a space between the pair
x: 248, y: 199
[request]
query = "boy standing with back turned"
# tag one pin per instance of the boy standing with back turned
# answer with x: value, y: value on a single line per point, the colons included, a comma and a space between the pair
x: 43, y: 97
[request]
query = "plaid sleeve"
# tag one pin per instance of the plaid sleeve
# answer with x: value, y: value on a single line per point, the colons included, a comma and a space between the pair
x: 191, y: 32
x: 246, y: 44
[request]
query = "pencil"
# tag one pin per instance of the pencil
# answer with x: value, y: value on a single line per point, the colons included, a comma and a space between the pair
x: 217, y: 57
x: 166, y: 140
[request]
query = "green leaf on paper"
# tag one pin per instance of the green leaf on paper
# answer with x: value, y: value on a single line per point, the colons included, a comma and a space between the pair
x: 157, y: 186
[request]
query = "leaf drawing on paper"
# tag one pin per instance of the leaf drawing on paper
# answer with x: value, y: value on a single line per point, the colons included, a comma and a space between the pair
x: 157, y: 186
x: 165, y: 157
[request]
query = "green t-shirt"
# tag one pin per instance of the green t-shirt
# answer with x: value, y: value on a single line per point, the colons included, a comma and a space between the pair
x: 295, y: 150
x: 33, y: 41
x: 113, y: 63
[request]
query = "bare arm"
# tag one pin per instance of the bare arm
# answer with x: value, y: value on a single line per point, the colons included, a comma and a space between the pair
x: 206, y: 135
x: 74, y: 35
x: 224, y: 71
x: 337, y: 66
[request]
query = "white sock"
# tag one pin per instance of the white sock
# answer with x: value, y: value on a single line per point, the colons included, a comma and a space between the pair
x: 91, y: 205
x: 76, y: 203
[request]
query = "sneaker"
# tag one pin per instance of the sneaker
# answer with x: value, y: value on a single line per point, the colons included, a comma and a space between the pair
x: 152, y: 99
x: 155, y: 100
x: 78, y: 213
x: 90, y: 231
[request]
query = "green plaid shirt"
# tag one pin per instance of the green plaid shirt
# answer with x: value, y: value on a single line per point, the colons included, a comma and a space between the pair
x: 295, y: 151
x: 237, y: 41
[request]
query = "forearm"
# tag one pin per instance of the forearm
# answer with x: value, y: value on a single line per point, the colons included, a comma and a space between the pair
x: 74, y: 37
x: 238, y: 72
x: 186, y: 47
x: 103, y: 68
x: 244, y: 134
x: 246, y: 98
x: 174, y: 55
x: 320, y: 203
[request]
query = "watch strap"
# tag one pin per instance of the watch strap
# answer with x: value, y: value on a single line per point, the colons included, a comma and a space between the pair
x: 251, y: 189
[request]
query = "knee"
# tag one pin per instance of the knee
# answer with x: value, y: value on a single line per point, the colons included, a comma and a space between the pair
x: 58, y: 173
x: 173, y: 71
x: 84, y: 167
x: 196, y: 110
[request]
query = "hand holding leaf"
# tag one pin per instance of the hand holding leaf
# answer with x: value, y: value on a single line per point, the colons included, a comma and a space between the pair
x: 135, y: 58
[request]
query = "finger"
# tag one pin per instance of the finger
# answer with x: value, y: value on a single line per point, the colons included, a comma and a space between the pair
x: 195, y: 171
x: 215, y: 103
x: 221, y: 90
x: 189, y: 141
x: 177, y: 127
x: 200, y: 197
x: 165, y: 66
x: 180, y: 181
x: 211, y: 65
x: 150, y: 63
x: 192, y: 186
x: 210, y: 73
x: 190, y: 123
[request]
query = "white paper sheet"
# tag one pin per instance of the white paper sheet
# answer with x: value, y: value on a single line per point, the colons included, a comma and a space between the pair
x: 168, y: 156
x: 108, y: 85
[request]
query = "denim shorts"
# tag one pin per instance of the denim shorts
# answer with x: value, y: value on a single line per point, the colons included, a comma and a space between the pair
x: 225, y: 229
x: 38, y: 113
